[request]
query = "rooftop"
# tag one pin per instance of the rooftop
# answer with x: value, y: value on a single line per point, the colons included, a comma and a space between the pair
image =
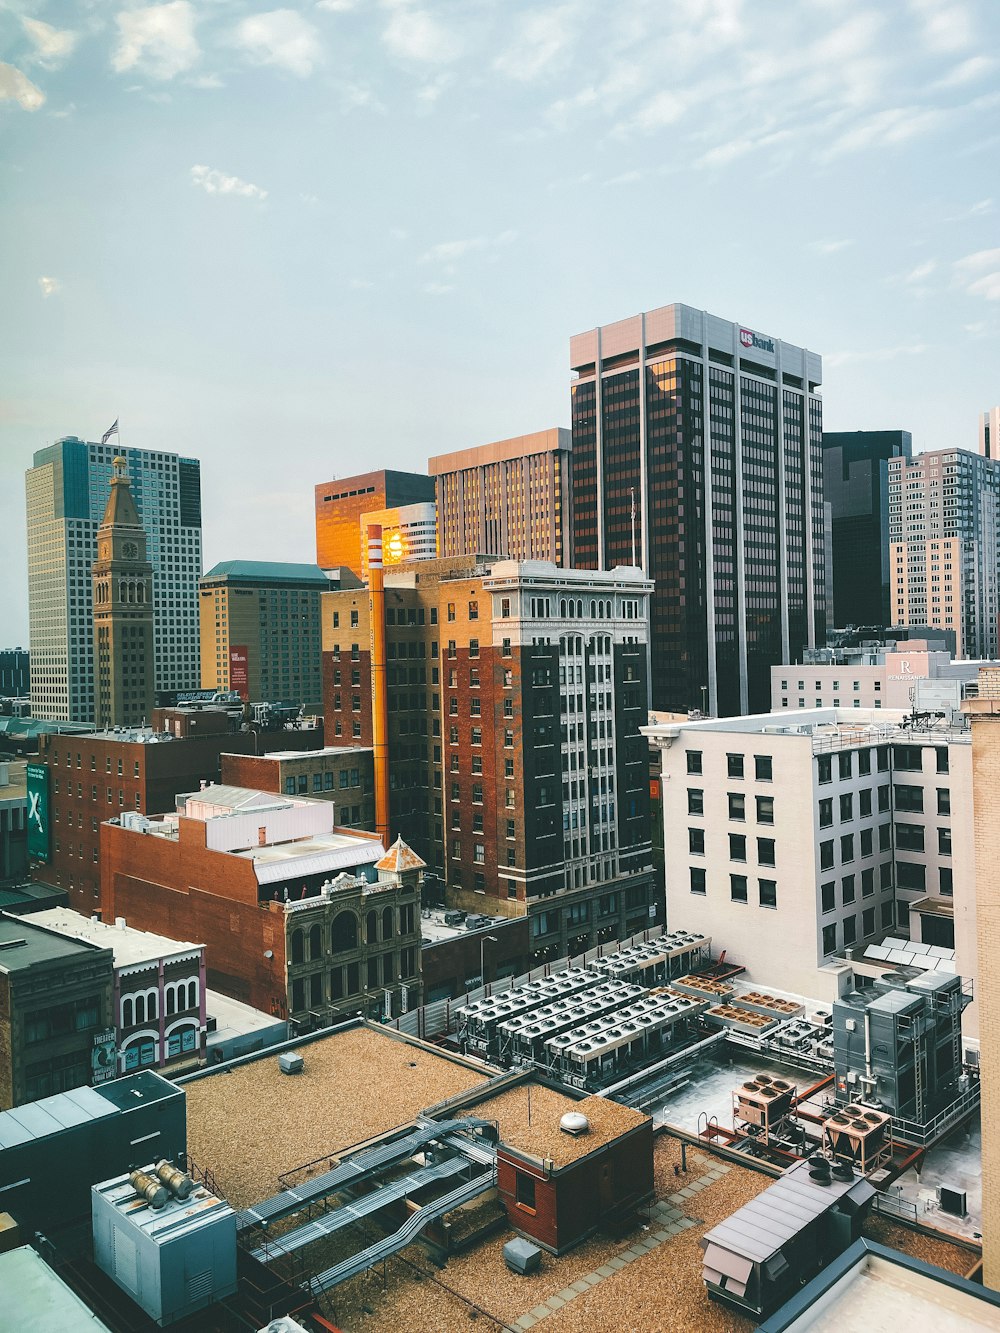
x: 131, y: 946
x: 249, y: 1123
x: 267, y: 571
x: 51, y: 1115
x: 529, y: 1116
x: 24, y: 944
x: 16, y: 786
x: 828, y: 728
x: 36, y: 1297
x: 400, y: 858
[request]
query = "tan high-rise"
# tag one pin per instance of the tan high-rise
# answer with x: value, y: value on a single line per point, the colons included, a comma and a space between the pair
x: 123, y: 611
x: 985, y: 715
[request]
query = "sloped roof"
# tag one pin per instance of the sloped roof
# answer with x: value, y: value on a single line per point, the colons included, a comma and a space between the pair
x: 120, y: 509
x: 267, y: 571
x: 400, y: 858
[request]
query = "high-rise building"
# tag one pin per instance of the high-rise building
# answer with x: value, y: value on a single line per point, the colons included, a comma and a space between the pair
x: 944, y: 546
x: 856, y: 486
x: 409, y: 532
x: 15, y: 673
x: 732, y: 534
x: 989, y: 433
x: 985, y: 721
x: 260, y: 630
x: 123, y: 612
x: 509, y: 499
x: 67, y: 489
x: 515, y: 693
x: 340, y: 504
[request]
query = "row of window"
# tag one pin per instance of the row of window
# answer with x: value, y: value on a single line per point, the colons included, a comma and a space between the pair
x: 763, y: 765
x: 739, y: 887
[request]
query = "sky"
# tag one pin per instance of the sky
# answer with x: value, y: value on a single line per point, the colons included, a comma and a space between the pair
x: 302, y: 242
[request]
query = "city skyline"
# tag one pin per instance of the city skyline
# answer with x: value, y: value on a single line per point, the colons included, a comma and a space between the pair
x: 275, y: 212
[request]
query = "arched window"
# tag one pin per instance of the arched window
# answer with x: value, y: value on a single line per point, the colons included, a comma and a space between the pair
x: 128, y: 1012
x: 579, y: 608
x: 297, y: 950
x: 371, y: 928
x: 315, y: 942
x: 344, y: 934
x: 387, y: 923
x: 152, y: 1006
x: 140, y: 1009
x: 171, y: 999
x: 593, y: 610
x: 192, y: 990
x: 562, y: 608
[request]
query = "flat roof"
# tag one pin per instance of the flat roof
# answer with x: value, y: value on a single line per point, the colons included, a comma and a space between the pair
x: 529, y: 1116
x: 321, y: 854
x: 51, y: 1115
x: 249, y: 1122
x: 23, y: 944
x: 873, y: 1286
x: 35, y: 1297
x: 327, y: 752
x: 233, y: 1017
x: 267, y: 571
x: 130, y: 945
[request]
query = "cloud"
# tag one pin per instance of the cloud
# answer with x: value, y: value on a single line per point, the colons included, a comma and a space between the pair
x: 884, y: 129
x: 17, y: 87
x: 158, y: 39
x: 829, y: 247
x: 52, y: 45
x: 540, y: 40
x: 446, y: 252
x: 437, y: 288
x: 49, y: 286
x: 967, y: 71
x: 208, y: 81
x: 920, y: 272
x: 360, y: 285
x: 415, y: 35
x: 979, y: 274
x: 832, y: 359
x: 337, y: 6
x: 217, y: 182
x: 283, y: 38
x: 944, y: 27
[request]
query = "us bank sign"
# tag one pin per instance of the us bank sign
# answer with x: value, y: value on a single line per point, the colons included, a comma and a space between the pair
x: 750, y: 339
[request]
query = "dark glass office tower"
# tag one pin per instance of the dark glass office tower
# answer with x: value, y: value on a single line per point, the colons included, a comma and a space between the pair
x: 855, y: 481
x: 697, y: 453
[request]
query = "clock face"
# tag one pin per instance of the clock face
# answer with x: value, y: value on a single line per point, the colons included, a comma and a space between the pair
x: 129, y: 550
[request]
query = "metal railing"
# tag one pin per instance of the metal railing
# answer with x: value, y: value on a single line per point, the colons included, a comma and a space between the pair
x: 917, y: 1133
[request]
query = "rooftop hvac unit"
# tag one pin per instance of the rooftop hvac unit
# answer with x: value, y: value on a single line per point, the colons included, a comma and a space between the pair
x: 290, y: 1062
x: 521, y: 1256
x: 952, y: 1201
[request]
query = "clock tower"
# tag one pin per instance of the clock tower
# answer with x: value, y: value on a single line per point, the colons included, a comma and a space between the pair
x: 123, y: 611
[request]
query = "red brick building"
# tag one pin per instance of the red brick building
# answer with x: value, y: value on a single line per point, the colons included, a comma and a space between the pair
x: 345, y: 777
x: 269, y: 884
x: 516, y: 765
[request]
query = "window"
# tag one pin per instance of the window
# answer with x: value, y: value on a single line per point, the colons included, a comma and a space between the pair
x: 765, y: 809
x: 865, y: 802
x: 942, y: 761
x: 826, y: 812
x: 768, y: 892
x: 847, y: 847
x: 824, y: 767
x: 945, y: 882
x: 864, y: 762
x: 696, y: 801
x: 868, y: 882
x: 847, y: 889
x: 830, y: 939
x: 698, y: 880
x: 910, y: 875
x: 738, y: 888
x: 734, y: 765
x: 524, y: 1190
x: 845, y: 764
x: 910, y: 837
x: 867, y: 841
x: 828, y: 896
x: 737, y: 847
x: 696, y: 841
x: 850, y: 930
x: 943, y: 801
x: 694, y: 761
x: 909, y: 758
x: 909, y: 798
x: 826, y: 855
x: 762, y: 767
x: 883, y: 799
x: 944, y: 841
x: 737, y: 805
x: 765, y: 851
x: 846, y: 807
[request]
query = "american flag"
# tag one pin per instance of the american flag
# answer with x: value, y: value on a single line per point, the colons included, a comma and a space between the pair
x: 112, y: 430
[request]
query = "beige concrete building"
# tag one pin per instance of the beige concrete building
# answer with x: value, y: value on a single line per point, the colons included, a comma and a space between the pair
x: 510, y: 498
x: 260, y: 630
x: 409, y: 532
x: 985, y: 719
x: 910, y: 674
x: 797, y: 842
x: 944, y: 546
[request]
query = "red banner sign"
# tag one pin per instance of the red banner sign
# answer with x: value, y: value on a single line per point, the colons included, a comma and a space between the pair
x: 238, y: 677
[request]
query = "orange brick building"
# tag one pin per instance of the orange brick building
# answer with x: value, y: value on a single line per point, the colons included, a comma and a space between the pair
x: 340, y: 504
